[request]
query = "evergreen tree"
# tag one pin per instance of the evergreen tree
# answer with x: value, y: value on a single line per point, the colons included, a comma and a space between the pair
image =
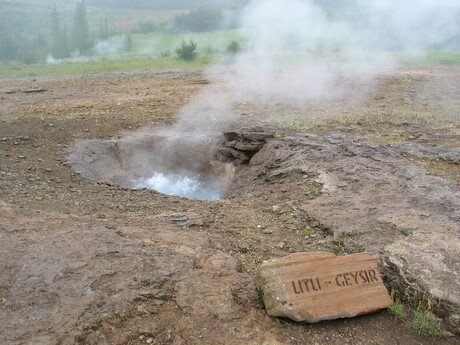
x: 65, y: 42
x: 55, y: 33
x: 104, y: 32
x: 81, y: 40
x: 57, y: 49
x: 59, y: 45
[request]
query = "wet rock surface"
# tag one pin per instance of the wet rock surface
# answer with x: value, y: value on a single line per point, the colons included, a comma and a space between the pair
x: 430, y: 151
x: 240, y: 144
x: 75, y: 280
x: 262, y: 217
x: 370, y: 194
x: 425, y: 266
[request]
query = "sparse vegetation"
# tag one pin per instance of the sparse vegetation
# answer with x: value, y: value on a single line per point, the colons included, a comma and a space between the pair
x: 398, y: 238
x: 187, y: 51
x: 260, y: 298
x: 233, y: 47
x: 397, y: 309
x: 205, y: 19
x: 165, y: 53
x: 421, y: 315
x: 145, y: 27
x: 20, y: 70
x: 286, y: 322
x: 426, y: 323
x: 307, y: 232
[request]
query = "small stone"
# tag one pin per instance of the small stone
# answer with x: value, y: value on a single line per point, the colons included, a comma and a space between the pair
x: 149, y: 340
x: 109, y: 183
x: 267, y: 231
x: 281, y: 245
x: 22, y: 157
x: 186, y: 218
x: 147, y: 242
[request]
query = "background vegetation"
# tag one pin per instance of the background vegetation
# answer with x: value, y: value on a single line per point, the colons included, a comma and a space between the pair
x: 35, y: 35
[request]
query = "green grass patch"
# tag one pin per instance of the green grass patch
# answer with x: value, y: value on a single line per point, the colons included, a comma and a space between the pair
x: 149, y: 52
x: 397, y: 309
x: 426, y: 323
x: 299, y: 125
x: 430, y: 58
x: 421, y: 316
x: 102, y: 66
x: 260, y: 298
x: 307, y: 232
x: 286, y: 323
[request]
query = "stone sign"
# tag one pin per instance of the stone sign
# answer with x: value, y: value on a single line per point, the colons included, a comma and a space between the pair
x: 321, y: 286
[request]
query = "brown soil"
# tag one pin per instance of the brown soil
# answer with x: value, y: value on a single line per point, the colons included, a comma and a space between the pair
x: 92, y: 263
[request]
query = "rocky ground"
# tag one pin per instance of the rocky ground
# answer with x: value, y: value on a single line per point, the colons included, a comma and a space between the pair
x: 98, y: 263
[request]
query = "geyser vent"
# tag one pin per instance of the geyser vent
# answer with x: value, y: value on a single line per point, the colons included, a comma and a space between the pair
x: 181, y: 185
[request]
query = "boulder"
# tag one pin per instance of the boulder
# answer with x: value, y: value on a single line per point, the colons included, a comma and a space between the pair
x: 426, y: 266
x: 321, y: 286
x: 240, y: 145
x: 228, y: 154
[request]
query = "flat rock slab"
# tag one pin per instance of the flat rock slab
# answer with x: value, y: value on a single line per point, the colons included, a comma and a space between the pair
x: 426, y: 266
x: 321, y: 286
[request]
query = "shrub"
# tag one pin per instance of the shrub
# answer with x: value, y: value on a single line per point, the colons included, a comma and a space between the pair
x: 165, y: 53
x: 187, y: 51
x: 147, y: 27
x: 233, y: 47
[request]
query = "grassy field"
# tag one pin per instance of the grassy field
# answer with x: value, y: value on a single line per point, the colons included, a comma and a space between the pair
x: 156, y: 52
x: 145, y: 55
x: 430, y: 58
x: 14, y: 71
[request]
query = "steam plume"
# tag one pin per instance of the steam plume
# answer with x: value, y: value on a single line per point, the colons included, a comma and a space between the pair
x: 297, y: 53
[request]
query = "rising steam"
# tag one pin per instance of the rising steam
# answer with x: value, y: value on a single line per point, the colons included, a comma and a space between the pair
x: 297, y: 53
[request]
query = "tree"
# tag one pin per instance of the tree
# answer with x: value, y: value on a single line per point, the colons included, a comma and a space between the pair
x: 206, y: 19
x: 59, y: 42
x: 81, y: 40
x: 16, y: 44
x: 103, y: 30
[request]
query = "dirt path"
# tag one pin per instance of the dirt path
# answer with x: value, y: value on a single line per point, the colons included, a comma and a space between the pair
x: 92, y: 263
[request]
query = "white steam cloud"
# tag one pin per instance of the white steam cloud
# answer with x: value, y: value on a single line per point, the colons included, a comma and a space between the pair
x: 112, y: 46
x: 298, y: 53
x: 415, y: 24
